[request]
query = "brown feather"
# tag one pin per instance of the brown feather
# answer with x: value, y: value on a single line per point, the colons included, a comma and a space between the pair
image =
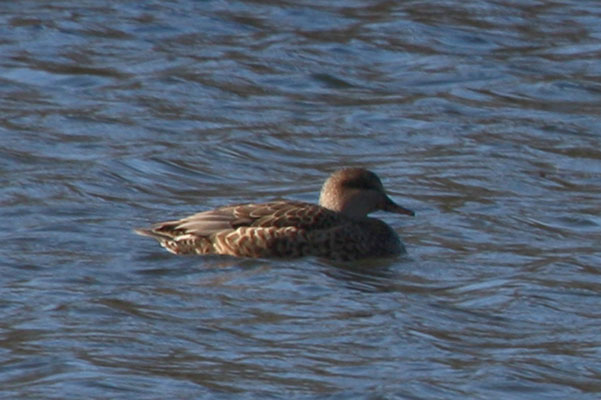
x: 286, y: 228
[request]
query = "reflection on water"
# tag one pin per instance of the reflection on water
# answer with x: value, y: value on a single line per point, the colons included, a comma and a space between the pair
x: 483, y: 117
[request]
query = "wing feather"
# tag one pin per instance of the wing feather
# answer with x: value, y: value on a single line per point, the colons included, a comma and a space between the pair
x: 277, y: 214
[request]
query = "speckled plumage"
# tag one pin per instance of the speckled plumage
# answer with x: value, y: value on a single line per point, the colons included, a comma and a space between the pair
x: 337, y: 229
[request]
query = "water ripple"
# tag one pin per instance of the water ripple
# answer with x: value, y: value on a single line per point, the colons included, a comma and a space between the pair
x: 482, y: 116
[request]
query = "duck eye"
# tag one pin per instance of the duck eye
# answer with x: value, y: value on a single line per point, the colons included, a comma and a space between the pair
x: 362, y: 184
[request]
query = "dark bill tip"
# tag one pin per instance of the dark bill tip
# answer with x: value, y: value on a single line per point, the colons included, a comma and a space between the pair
x: 393, y: 207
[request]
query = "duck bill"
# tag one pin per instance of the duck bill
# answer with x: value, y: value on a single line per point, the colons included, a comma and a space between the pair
x: 393, y: 207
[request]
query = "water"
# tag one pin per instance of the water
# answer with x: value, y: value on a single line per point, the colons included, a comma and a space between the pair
x: 482, y: 116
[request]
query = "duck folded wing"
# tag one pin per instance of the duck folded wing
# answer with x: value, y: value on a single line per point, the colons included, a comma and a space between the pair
x: 277, y: 214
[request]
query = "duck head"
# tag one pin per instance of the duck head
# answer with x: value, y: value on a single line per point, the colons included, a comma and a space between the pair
x: 356, y: 192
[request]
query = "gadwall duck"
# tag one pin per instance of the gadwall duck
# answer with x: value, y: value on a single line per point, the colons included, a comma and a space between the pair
x: 338, y: 228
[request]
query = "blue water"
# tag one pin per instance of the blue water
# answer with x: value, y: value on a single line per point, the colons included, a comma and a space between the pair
x: 481, y: 116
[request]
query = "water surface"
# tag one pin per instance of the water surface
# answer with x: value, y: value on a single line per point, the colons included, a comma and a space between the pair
x: 482, y: 116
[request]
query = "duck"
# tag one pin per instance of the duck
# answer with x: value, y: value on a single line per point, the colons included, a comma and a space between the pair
x: 338, y: 228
